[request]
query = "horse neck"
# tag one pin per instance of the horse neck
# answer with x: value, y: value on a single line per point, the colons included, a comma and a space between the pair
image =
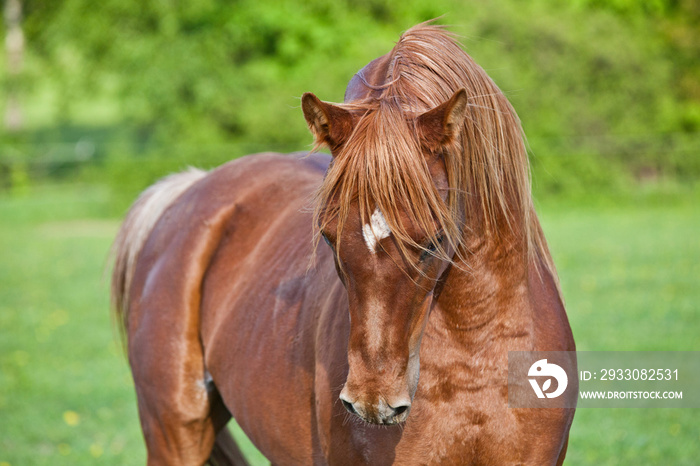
x: 486, y: 291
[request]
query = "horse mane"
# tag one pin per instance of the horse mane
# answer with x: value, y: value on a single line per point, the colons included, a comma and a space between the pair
x: 487, y: 166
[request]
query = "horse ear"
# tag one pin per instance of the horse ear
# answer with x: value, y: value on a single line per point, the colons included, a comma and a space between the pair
x: 442, y: 124
x: 328, y: 123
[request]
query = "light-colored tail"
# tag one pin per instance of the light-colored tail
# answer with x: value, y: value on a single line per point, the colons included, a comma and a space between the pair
x: 134, y: 232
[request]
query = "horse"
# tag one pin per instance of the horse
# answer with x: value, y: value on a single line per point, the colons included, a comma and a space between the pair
x: 387, y: 345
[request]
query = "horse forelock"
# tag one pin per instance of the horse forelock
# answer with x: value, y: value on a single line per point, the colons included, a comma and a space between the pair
x: 486, y: 166
x: 378, y: 169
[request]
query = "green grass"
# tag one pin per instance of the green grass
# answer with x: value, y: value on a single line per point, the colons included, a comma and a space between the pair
x: 630, y: 278
x: 64, y: 396
x: 629, y: 275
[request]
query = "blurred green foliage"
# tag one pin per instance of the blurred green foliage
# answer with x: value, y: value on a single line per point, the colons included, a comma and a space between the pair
x: 608, y: 90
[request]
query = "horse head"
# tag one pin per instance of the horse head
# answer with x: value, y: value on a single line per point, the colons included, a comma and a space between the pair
x: 384, y: 209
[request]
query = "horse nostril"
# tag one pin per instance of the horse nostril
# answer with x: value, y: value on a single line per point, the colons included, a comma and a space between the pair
x: 399, y: 410
x: 348, y: 407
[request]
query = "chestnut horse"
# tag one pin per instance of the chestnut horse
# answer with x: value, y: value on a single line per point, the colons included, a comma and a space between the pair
x: 435, y: 263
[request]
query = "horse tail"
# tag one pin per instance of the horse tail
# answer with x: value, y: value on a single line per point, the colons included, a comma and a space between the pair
x: 135, y: 230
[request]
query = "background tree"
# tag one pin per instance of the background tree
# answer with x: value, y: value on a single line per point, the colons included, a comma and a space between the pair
x: 14, y: 47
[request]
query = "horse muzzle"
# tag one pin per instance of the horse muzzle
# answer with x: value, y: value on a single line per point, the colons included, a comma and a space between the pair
x: 380, y: 412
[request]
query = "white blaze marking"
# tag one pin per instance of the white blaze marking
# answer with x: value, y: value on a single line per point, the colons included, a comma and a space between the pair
x: 377, y: 229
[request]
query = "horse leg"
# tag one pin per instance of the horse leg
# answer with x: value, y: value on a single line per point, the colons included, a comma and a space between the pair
x: 226, y: 451
x: 183, y: 417
x: 560, y: 461
x: 174, y: 403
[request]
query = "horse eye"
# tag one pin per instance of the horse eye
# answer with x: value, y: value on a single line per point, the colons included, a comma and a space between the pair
x: 325, y: 238
x: 432, y: 247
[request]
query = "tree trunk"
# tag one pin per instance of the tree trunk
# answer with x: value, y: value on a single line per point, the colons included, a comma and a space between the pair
x: 14, y: 45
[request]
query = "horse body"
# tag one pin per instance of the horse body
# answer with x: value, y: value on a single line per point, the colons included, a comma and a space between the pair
x: 232, y: 311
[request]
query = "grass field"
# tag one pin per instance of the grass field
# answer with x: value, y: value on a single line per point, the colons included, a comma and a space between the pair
x: 630, y: 276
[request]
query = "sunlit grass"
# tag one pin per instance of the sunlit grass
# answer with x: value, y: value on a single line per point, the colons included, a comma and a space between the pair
x: 630, y: 279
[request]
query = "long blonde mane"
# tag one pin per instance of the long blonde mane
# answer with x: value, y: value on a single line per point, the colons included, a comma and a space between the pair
x: 487, y: 167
